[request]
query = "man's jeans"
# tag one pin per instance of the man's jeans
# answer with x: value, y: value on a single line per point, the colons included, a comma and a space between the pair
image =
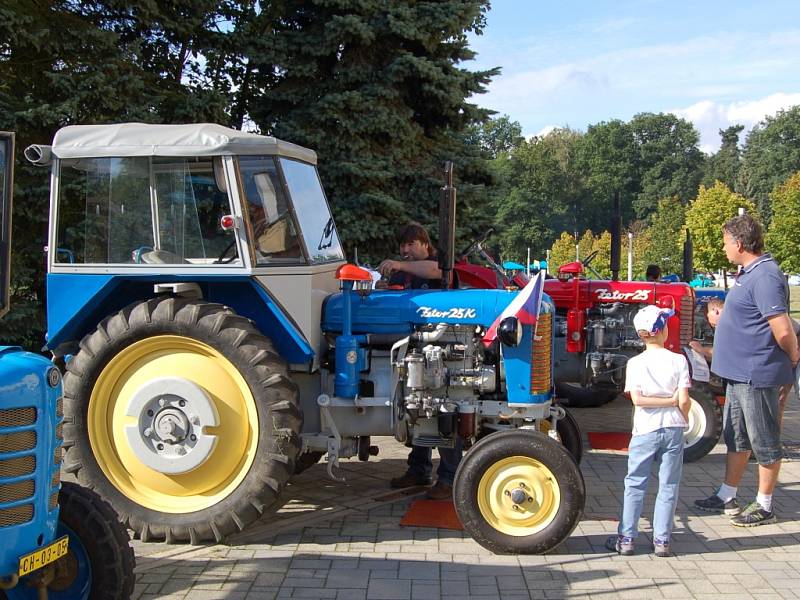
x: 664, y: 446
x: 420, y: 462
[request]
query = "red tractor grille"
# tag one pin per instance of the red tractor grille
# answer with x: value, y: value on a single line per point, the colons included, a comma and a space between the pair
x: 541, y: 355
x: 687, y: 320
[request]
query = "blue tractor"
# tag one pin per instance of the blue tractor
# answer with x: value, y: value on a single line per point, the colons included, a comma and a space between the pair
x: 57, y: 540
x: 216, y: 342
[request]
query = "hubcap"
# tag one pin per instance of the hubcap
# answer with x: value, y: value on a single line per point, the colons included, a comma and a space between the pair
x: 697, y: 425
x: 171, y: 415
x: 163, y: 407
x: 518, y: 496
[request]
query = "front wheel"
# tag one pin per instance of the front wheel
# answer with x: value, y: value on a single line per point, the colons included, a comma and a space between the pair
x: 705, y: 423
x: 99, y: 562
x: 519, y: 492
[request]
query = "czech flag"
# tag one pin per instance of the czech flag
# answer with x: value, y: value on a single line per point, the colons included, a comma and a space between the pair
x: 525, y: 307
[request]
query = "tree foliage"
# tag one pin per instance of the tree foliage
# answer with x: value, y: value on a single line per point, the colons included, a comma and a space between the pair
x: 783, y: 235
x: 666, y: 236
x: 725, y: 164
x: 705, y: 217
x: 771, y: 155
x: 375, y: 88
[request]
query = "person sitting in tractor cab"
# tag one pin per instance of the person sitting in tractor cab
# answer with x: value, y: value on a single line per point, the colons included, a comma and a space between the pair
x: 653, y: 273
x: 419, y: 269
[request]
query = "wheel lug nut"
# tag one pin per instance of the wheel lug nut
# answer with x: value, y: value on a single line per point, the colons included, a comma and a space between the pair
x: 507, y: 493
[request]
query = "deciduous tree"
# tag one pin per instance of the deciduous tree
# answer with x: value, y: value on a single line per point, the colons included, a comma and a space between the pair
x: 783, y: 235
x: 705, y: 217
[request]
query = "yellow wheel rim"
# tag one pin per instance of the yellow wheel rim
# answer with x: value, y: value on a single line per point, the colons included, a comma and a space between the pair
x: 518, y: 496
x: 236, y: 432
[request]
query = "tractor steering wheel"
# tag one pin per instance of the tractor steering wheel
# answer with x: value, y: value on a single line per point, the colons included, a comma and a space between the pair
x: 474, y: 245
x: 224, y: 261
x: 592, y: 255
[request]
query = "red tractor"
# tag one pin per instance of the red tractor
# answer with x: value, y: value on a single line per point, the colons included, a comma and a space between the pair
x: 594, y: 336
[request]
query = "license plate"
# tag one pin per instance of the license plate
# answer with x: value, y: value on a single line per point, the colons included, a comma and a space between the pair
x: 36, y: 560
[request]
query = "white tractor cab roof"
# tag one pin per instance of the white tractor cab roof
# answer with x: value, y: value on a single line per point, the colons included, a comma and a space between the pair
x: 142, y: 139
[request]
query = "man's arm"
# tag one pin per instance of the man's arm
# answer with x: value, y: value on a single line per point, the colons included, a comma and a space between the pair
x: 783, y: 332
x: 705, y: 351
x: 425, y: 269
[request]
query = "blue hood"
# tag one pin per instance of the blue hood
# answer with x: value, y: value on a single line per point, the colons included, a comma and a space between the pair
x: 386, y: 311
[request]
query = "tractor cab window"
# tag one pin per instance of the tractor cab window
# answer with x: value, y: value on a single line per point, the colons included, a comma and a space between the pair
x: 190, y: 206
x: 272, y: 228
x: 313, y: 213
x: 103, y: 210
x: 143, y: 210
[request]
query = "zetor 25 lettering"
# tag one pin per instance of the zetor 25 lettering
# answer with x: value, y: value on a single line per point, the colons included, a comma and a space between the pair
x: 451, y: 313
x: 605, y: 294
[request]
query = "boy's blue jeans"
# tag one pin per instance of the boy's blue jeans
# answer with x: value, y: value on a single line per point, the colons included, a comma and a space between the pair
x: 665, y: 447
x: 420, y: 462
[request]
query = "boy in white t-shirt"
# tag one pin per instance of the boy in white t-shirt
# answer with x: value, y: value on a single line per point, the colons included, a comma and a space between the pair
x: 658, y: 382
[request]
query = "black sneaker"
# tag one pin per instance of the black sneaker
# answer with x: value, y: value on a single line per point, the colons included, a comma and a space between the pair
x: 753, y: 516
x: 715, y: 504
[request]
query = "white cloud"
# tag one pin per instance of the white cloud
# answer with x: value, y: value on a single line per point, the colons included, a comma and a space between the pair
x: 710, y: 116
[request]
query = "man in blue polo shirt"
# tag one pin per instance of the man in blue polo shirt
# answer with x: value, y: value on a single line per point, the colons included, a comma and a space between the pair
x: 755, y: 351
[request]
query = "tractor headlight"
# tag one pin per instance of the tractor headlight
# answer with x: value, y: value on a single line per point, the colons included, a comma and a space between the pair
x: 53, y: 376
x: 510, y: 331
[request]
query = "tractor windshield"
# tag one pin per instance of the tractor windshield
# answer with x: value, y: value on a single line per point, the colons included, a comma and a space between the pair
x: 287, y: 227
x: 313, y: 213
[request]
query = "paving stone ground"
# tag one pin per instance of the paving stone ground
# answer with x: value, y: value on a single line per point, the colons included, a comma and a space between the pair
x: 343, y: 541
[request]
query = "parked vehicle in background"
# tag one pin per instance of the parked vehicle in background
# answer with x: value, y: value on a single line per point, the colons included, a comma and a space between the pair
x: 57, y: 540
x: 701, y: 280
x: 793, y: 279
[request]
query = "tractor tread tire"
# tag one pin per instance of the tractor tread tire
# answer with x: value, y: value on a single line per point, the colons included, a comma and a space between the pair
x: 253, y: 355
x: 575, y: 395
x: 104, y: 538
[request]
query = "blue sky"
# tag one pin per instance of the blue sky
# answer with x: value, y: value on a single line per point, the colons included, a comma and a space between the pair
x: 575, y: 63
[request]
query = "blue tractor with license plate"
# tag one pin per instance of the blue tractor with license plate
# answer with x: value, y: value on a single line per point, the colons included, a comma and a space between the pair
x: 57, y: 539
x: 215, y: 342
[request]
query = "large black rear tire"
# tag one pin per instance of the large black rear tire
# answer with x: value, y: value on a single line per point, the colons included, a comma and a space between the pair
x: 577, y: 396
x: 252, y: 441
x: 519, y: 492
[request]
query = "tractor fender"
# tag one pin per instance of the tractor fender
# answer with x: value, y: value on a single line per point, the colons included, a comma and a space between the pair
x: 76, y: 303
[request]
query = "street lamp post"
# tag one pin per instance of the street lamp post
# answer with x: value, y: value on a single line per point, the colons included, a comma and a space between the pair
x: 630, y: 256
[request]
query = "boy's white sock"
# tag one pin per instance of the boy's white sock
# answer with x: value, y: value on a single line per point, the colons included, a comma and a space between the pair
x: 726, y: 492
x: 765, y: 501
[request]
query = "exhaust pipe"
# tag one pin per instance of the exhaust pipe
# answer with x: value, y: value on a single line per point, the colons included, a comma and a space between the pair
x: 38, y: 155
x: 447, y: 226
x: 688, y: 258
